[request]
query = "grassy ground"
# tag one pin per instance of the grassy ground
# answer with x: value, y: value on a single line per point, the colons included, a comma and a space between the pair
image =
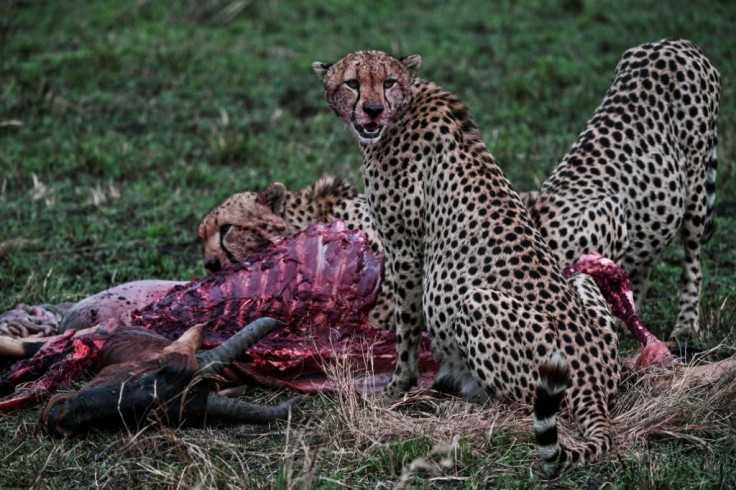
x: 123, y: 123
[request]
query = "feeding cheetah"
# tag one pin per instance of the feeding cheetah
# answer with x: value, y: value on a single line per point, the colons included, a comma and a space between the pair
x: 642, y: 170
x: 467, y: 260
x: 250, y: 221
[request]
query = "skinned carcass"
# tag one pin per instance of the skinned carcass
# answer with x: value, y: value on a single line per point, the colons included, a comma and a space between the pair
x: 321, y: 282
x: 154, y: 377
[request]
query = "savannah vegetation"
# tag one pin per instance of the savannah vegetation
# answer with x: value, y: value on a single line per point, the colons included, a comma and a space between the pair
x: 123, y: 123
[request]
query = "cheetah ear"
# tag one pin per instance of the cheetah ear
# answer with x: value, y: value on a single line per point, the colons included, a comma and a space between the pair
x: 321, y: 68
x: 274, y: 197
x: 412, y: 63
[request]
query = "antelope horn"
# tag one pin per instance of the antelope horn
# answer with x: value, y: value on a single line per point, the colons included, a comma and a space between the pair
x: 214, y: 360
x: 248, y: 413
x: 20, y: 348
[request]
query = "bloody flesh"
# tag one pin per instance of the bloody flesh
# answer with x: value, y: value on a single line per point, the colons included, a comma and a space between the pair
x: 325, y: 277
x: 322, y: 282
x: 614, y: 284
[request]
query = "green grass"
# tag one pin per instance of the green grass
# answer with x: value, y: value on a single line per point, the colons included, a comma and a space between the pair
x: 123, y: 123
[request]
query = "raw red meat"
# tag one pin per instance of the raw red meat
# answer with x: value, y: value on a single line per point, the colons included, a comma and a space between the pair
x: 59, y: 364
x: 324, y: 277
x: 615, y: 286
x: 322, y: 282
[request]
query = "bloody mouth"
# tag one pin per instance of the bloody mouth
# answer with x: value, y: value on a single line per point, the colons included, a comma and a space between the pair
x: 368, y: 130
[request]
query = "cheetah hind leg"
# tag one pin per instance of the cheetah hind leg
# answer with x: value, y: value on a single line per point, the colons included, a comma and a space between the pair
x: 448, y: 381
x: 504, y: 342
x: 691, y: 281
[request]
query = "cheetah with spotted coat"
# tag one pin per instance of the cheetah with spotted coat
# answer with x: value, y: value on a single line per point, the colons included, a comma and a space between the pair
x: 251, y: 221
x: 642, y: 170
x: 467, y: 260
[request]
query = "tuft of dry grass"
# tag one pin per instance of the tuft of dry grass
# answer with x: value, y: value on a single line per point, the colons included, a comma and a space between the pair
x: 418, y: 435
x: 349, y: 439
x: 681, y: 404
x: 442, y: 438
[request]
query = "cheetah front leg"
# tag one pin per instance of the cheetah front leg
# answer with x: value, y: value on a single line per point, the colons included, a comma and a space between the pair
x: 407, y: 287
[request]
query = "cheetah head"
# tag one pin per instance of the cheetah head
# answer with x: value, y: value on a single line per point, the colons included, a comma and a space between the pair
x: 369, y: 90
x: 243, y: 224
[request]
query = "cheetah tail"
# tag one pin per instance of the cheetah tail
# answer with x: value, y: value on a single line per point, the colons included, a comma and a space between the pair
x: 710, y: 193
x: 554, y: 375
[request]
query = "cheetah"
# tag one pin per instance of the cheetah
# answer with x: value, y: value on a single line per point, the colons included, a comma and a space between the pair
x: 250, y: 221
x: 642, y: 170
x: 467, y: 261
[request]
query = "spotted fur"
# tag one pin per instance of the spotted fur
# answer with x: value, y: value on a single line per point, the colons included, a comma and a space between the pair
x: 464, y: 253
x: 642, y: 171
x: 553, y: 378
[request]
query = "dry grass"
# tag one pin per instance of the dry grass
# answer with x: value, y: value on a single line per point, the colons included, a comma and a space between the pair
x: 443, y: 438
x: 677, y: 404
x: 346, y: 439
x: 423, y: 430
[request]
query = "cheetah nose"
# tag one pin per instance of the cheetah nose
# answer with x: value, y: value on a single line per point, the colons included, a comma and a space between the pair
x: 373, y: 110
x: 212, y: 265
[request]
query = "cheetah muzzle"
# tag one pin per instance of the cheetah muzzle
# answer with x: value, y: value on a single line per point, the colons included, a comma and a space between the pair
x: 369, y: 132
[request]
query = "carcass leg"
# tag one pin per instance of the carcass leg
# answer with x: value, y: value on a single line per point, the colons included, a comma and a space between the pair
x: 616, y: 288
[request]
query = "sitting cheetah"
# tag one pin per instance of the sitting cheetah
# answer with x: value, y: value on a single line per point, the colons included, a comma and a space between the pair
x: 467, y: 260
x: 250, y: 221
x: 642, y: 170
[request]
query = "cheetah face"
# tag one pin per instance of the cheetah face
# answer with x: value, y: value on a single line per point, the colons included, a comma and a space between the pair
x: 243, y: 224
x: 369, y: 90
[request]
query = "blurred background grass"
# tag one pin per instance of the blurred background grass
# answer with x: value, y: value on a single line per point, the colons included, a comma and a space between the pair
x: 123, y: 123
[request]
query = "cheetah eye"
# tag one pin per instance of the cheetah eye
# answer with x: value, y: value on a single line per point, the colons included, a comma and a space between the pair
x: 388, y: 83
x: 225, y: 228
x: 353, y: 84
